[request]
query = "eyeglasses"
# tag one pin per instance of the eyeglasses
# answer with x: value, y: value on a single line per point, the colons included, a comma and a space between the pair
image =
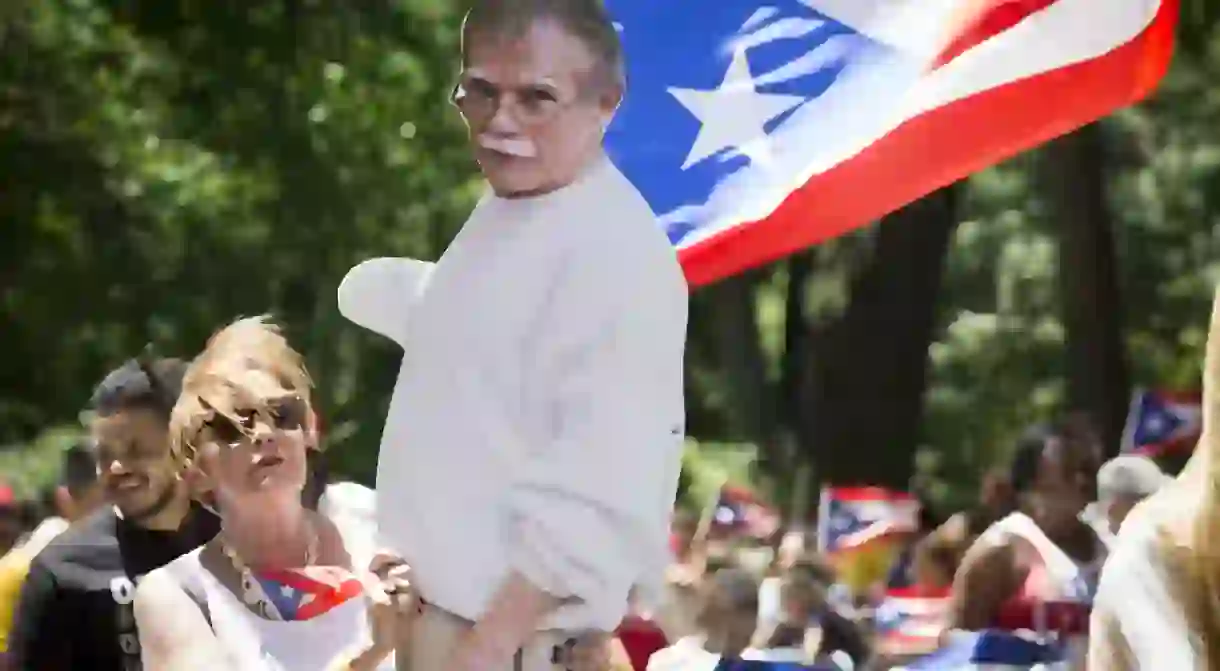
x: 479, y: 100
x: 284, y: 414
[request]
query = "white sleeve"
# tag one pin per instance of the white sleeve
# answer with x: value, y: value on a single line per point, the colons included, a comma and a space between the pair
x: 379, y: 294
x: 591, y: 509
x: 1136, y: 621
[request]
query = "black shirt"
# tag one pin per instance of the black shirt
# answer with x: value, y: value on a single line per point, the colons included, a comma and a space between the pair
x: 838, y: 633
x: 75, y: 610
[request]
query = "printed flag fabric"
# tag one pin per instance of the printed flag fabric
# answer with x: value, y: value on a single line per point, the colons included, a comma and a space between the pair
x: 910, y: 621
x: 303, y: 594
x: 991, y: 651
x: 1161, y: 421
x: 740, y: 512
x: 756, y: 128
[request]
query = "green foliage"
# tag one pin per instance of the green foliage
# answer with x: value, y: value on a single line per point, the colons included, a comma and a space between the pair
x: 170, y: 165
x: 168, y: 169
x: 30, y: 467
x: 708, y: 466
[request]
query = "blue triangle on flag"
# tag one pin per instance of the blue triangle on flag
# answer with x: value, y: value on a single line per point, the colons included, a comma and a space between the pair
x: 287, y: 600
x: 1157, y: 420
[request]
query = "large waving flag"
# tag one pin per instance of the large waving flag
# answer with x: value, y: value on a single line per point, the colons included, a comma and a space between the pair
x: 756, y: 128
x: 1163, y: 421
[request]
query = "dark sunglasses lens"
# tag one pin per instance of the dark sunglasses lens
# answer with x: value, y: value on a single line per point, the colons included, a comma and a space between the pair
x: 225, y: 430
x: 288, y: 413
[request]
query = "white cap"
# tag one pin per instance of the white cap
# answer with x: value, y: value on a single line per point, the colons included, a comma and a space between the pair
x: 1130, y: 475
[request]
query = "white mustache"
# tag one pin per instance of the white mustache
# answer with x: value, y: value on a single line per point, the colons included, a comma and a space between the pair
x: 518, y: 147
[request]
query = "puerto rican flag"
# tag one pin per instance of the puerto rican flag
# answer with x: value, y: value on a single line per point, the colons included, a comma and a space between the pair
x: 1163, y: 421
x: 756, y: 128
x: 852, y: 517
x: 306, y: 593
x: 910, y: 621
x: 739, y: 511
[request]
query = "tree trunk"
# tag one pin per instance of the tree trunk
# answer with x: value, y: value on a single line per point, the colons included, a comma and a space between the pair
x: 742, y: 362
x: 1073, y: 180
x: 868, y: 369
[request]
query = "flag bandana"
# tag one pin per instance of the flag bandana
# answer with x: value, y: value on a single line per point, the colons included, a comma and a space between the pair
x: 303, y: 594
x: 756, y: 128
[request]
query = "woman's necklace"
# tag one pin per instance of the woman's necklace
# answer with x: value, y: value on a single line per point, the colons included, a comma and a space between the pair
x: 254, y: 593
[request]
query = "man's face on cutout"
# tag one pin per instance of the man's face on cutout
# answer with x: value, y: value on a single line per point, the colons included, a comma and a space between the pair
x: 135, y: 467
x: 536, y: 105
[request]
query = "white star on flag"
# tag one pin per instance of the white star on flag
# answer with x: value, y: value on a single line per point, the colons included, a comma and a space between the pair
x: 733, y: 115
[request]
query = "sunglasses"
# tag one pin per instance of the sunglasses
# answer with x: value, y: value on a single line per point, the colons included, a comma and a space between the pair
x: 284, y: 414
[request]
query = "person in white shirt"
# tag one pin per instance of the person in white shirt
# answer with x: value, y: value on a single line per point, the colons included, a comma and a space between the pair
x: 276, y: 589
x: 532, y: 449
x: 1158, y: 601
x: 725, y: 623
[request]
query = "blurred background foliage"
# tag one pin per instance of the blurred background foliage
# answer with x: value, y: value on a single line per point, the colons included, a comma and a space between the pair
x: 170, y: 165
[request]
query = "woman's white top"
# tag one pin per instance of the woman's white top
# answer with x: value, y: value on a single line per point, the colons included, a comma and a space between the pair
x: 257, y: 644
x: 1071, y: 580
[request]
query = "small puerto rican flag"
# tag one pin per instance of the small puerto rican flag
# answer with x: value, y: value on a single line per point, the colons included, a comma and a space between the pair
x: 852, y: 517
x: 1163, y: 421
x: 306, y: 593
x: 739, y: 511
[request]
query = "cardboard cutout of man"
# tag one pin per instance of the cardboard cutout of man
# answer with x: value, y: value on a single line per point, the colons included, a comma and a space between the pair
x: 531, y: 454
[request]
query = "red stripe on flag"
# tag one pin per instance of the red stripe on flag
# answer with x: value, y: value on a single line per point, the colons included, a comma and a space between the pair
x: 938, y: 148
x: 982, y: 20
x: 868, y: 494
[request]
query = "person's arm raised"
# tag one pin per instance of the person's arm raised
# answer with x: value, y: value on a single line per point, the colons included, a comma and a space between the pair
x: 1138, y: 622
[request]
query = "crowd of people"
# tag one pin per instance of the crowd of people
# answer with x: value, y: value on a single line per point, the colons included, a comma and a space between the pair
x: 197, y: 474
x: 128, y: 570
x: 529, y: 464
x: 1025, y: 559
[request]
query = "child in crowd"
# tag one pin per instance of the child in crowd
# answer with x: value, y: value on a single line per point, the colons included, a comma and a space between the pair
x: 725, y: 622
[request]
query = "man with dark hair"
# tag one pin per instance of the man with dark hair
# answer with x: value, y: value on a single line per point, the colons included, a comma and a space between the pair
x: 532, y: 449
x: 75, y: 607
x: 80, y: 490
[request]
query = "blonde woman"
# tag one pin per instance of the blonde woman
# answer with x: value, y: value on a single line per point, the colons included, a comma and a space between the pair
x: 276, y: 590
x: 1158, y: 605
